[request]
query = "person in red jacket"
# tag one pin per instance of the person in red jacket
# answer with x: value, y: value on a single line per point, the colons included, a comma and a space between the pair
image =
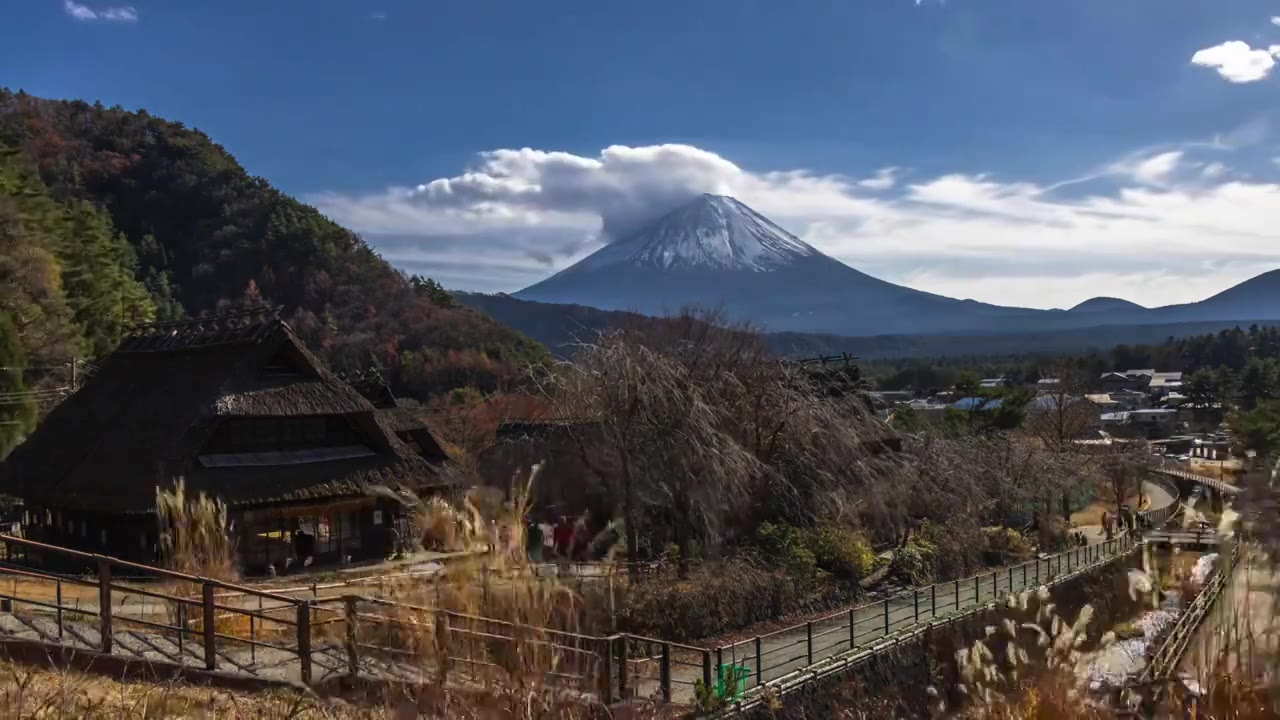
x: 563, y: 536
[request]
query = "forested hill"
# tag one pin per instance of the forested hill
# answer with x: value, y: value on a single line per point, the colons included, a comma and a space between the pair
x: 108, y: 217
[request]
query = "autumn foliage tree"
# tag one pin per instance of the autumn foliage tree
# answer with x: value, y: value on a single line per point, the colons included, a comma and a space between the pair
x: 111, y: 216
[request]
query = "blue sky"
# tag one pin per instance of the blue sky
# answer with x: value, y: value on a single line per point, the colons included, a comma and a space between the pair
x: 1032, y: 153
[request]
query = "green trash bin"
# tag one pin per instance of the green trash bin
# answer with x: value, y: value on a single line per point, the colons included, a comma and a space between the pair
x: 732, y: 682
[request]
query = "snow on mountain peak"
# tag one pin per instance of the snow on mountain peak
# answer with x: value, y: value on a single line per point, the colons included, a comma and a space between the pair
x: 711, y: 232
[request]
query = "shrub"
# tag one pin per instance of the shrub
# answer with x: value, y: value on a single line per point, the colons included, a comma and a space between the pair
x: 1052, y: 533
x: 936, y: 553
x: 913, y: 563
x: 786, y: 546
x: 830, y: 548
x: 714, y: 599
x: 1004, y: 544
x: 840, y: 551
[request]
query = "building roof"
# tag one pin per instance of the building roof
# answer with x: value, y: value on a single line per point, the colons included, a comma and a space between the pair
x: 1100, y: 399
x: 1167, y: 380
x: 1115, y: 376
x: 399, y: 417
x: 143, y: 418
x: 926, y: 405
x: 1120, y: 417
x: 372, y: 386
x: 1149, y: 372
x: 977, y: 403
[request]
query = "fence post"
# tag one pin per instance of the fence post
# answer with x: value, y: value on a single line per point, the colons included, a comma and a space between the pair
x: 182, y: 632
x: 933, y: 601
x: 210, y: 628
x: 1024, y: 576
x: 59, y: 608
x: 304, y: 640
x: 995, y: 585
x: 977, y: 590
x: 1037, y: 571
x: 664, y: 671
x: 606, y: 680
x: 886, y: 617
x: 957, y: 596
x: 353, y: 648
x: 104, y: 604
x: 853, y: 630
x: 916, y: 597
x: 759, y: 666
x: 1010, y: 579
x: 808, y: 634
x: 706, y: 668
x: 623, y: 653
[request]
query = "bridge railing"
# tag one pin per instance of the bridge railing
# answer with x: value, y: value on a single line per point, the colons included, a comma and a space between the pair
x: 773, y: 655
x: 1215, y: 483
x: 1164, y: 661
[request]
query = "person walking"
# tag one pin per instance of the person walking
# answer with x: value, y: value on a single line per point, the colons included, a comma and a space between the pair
x: 533, y: 542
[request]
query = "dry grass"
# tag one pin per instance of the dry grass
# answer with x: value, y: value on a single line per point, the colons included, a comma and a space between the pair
x: 195, y: 539
x: 44, y: 694
x: 492, y: 624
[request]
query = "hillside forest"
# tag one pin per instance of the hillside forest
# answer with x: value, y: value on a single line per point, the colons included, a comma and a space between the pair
x: 110, y: 218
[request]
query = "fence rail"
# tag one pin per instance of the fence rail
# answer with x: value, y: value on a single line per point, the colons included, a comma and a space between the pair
x: 226, y: 625
x: 1214, y: 483
x: 1164, y: 661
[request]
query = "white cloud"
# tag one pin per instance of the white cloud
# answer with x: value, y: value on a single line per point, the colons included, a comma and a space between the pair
x: 1132, y: 230
x: 1237, y: 62
x: 84, y: 13
x: 1149, y: 169
x: 1275, y: 21
x: 378, y: 15
x: 1214, y: 170
x: 885, y: 178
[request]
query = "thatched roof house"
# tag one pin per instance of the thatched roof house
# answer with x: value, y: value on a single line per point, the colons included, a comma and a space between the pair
x: 237, y: 406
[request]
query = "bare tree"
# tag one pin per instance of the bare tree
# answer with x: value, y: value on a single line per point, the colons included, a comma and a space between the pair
x: 701, y: 431
x: 1059, y: 419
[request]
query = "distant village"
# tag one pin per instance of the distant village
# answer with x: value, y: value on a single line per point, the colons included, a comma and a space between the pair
x: 1142, y: 403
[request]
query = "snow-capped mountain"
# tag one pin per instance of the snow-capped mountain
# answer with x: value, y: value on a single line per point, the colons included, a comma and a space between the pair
x: 715, y: 252
x: 712, y: 232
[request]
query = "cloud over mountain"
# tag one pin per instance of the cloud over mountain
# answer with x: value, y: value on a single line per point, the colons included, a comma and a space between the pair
x: 1141, y: 226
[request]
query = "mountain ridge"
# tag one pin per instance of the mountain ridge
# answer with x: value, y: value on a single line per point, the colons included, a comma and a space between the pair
x: 1106, y: 304
x: 561, y: 328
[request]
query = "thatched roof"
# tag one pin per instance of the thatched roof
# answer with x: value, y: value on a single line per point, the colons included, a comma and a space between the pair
x: 400, y: 418
x: 142, y: 420
x: 372, y: 386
